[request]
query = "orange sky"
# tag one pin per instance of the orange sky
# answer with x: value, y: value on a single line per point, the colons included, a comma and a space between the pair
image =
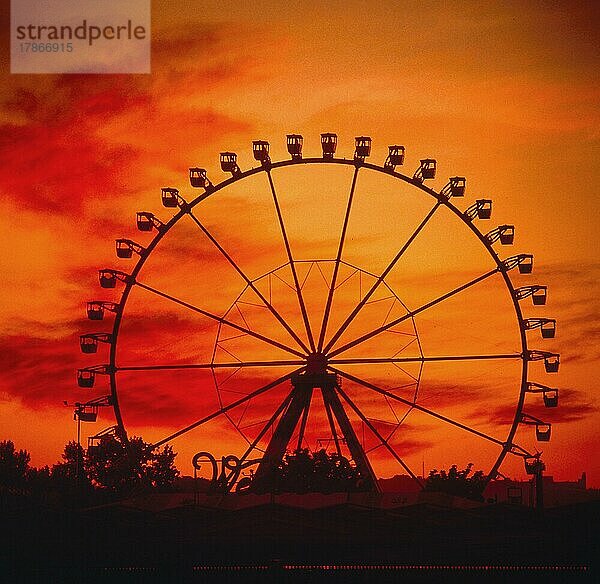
x: 505, y: 95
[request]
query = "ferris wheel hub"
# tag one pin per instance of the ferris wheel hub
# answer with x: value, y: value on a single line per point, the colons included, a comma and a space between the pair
x: 316, y: 363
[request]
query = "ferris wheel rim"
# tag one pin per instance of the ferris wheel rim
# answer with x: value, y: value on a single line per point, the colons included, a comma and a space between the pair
x: 508, y: 444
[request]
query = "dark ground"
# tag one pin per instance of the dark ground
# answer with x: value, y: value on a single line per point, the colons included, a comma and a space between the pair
x: 276, y: 543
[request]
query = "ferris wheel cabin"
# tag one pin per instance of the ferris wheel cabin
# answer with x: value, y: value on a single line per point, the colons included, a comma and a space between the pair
x: 552, y: 363
x: 543, y: 432
x: 507, y: 234
x: 395, y: 157
x: 85, y: 378
x: 170, y: 197
x: 144, y: 221
x: 229, y: 163
x: 549, y: 394
x: 426, y: 170
x: 198, y: 178
x: 526, y: 264
x: 484, y: 208
x: 362, y: 147
x: 533, y: 465
x: 108, y: 279
x: 550, y: 398
x: 95, y: 441
x: 88, y: 344
x: 539, y: 295
x: 95, y: 310
x: 85, y: 414
x: 328, y: 144
x: 548, y: 328
x: 458, y: 185
x: 294, y: 146
x: 123, y: 249
x: 428, y: 167
x: 260, y: 150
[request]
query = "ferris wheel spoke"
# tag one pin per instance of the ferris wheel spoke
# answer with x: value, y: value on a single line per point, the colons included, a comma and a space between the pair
x: 381, y: 439
x: 231, y: 365
x: 411, y: 313
x: 336, y: 266
x: 220, y: 320
x: 249, y: 282
x: 228, y: 407
x: 394, y: 360
x: 343, y: 327
x: 288, y: 250
x: 418, y: 407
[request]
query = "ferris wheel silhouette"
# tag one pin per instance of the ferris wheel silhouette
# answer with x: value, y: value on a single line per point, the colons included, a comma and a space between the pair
x: 350, y: 343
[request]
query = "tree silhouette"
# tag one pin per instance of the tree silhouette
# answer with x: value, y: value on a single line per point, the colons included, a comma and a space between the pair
x: 115, y: 467
x: 14, y: 466
x: 69, y: 476
x: 162, y: 471
x: 457, y: 482
x: 303, y: 471
x: 39, y: 482
x: 120, y: 467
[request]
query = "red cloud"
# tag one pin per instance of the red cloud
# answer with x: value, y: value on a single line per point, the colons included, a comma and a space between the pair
x: 54, y: 169
x: 572, y: 407
x: 70, y: 139
x: 37, y: 370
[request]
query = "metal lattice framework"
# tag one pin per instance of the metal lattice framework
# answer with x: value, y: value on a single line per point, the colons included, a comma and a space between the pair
x: 317, y: 353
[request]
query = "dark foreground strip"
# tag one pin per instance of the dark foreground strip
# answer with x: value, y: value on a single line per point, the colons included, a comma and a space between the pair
x: 427, y: 567
x: 304, y: 573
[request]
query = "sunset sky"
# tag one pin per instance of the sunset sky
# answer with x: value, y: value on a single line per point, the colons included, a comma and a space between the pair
x: 506, y: 94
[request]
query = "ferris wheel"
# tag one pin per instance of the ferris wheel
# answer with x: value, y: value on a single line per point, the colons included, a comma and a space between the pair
x: 333, y: 303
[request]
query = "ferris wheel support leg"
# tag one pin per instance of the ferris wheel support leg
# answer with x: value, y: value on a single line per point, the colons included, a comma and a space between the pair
x: 303, y: 422
x: 336, y: 440
x: 357, y: 452
x: 284, y: 404
x: 381, y: 439
x: 265, y: 473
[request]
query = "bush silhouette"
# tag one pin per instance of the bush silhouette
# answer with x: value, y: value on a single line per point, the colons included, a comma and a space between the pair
x: 120, y: 468
x: 304, y: 472
x: 457, y: 482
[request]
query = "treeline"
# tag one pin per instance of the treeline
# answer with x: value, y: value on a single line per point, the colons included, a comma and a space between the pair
x: 105, y: 471
x: 112, y: 469
x: 303, y: 471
